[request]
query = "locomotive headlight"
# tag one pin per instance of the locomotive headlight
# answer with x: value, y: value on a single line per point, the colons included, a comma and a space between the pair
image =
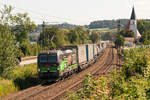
x: 58, y: 68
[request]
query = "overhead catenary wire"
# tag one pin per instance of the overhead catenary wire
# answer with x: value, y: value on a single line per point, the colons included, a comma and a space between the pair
x: 44, y: 16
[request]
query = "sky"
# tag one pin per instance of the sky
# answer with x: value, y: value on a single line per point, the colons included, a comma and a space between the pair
x: 80, y: 12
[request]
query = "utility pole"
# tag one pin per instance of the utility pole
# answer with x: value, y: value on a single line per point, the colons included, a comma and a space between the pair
x: 43, y: 32
x: 119, y: 27
x: 46, y: 36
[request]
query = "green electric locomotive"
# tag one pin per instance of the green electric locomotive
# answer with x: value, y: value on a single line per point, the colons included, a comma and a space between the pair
x: 55, y: 64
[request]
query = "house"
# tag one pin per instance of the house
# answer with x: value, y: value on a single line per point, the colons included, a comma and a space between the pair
x: 129, y: 41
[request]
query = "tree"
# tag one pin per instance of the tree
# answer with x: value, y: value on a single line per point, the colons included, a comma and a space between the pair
x: 108, y: 35
x: 8, y: 50
x: 94, y: 37
x: 5, y: 15
x: 59, y: 38
x: 143, y: 26
x: 145, y: 38
x: 120, y: 41
x: 73, y: 37
x: 78, y: 35
x: 47, y: 37
x: 65, y: 33
x: 83, y: 35
x: 22, y: 26
x: 144, y: 29
x: 127, y: 33
x: 52, y: 37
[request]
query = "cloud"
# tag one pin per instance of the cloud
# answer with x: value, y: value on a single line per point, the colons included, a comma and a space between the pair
x: 142, y: 2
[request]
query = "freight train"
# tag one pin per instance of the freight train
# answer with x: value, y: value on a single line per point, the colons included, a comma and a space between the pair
x: 57, y: 64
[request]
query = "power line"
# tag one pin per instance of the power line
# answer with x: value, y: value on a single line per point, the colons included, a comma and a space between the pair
x: 41, y: 13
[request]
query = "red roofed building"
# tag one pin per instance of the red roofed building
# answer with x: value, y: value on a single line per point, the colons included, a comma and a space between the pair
x: 129, y: 41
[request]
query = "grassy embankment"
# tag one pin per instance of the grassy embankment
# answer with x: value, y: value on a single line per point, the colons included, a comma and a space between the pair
x: 18, y: 79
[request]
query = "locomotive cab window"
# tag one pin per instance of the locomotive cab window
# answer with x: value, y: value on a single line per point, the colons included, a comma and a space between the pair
x: 43, y: 58
x: 52, y: 58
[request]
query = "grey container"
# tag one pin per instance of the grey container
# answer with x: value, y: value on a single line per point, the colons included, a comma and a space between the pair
x: 90, y: 52
x: 95, y: 52
x: 104, y: 44
x: 82, y: 54
x: 99, y: 48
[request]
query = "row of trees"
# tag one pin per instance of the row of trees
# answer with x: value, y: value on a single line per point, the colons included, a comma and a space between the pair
x: 54, y: 37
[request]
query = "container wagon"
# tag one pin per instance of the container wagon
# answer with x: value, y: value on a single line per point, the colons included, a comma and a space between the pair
x: 55, y: 64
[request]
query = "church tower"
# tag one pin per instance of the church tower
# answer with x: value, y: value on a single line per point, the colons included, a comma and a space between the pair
x: 132, y: 26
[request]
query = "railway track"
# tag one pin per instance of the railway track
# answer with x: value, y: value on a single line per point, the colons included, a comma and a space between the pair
x: 58, y: 90
x: 106, y: 66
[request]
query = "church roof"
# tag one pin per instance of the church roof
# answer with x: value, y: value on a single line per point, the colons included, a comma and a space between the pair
x: 129, y: 39
x: 128, y: 26
x: 133, y: 16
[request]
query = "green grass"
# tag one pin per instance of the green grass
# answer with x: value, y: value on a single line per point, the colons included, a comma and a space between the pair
x: 103, y: 30
x: 25, y: 77
x: 18, y: 79
x: 7, y: 87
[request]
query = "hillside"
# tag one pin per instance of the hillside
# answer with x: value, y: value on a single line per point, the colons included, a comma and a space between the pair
x: 112, y: 24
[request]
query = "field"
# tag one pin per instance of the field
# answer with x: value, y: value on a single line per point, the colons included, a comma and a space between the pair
x: 103, y: 30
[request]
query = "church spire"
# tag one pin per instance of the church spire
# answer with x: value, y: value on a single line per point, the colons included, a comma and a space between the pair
x: 132, y: 25
x: 133, y: 16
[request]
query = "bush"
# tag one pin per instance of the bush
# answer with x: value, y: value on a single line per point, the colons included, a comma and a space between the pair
x: 93, y: 89
x: 7, y: 87
x: 24, y: 77
x: 132, y: 82
x: 8, y: 50
x: 18, y: 79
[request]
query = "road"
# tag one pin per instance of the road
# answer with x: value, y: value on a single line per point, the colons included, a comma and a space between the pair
x: 27, y: 62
